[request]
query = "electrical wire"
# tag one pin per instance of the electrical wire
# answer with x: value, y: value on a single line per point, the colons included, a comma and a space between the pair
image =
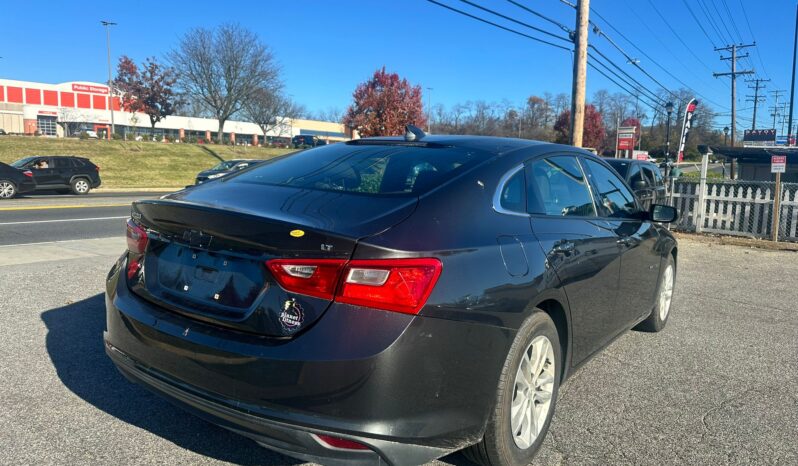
x: 534, y: 28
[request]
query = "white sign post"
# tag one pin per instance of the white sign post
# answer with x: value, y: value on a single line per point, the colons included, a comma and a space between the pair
x: 778, y: 165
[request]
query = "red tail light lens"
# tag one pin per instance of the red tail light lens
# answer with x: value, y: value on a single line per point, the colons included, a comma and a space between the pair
x: 313, y: 277
x: 28, y: 173
x: 340, y: 443
x: 136, y: 237
x: 401, y: 285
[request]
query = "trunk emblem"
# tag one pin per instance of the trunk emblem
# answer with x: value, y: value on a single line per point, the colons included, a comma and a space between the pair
x: 197, y: 239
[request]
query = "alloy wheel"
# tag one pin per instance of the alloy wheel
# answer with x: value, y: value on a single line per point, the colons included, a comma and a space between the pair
x: 532, y: 392
x: 666, y: 293
x: 81, y: 186
x: 7, y: 190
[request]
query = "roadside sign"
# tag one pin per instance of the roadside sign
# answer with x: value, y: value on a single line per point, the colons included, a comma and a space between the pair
x: 778, y: 164
x: 640, y: 154
x: 627, y: 137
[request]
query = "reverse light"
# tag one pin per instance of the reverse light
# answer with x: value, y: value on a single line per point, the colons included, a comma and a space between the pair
x: 400, y: 285
x: 312, y: 277
x: 136, y: 237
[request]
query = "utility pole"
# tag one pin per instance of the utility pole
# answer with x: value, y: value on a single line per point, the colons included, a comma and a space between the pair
x: 756, y: 99
x: 734, y: 73
x: 107, y: 25
x: 792, y: 85
x: 775, y: 108
x: 580, y: 72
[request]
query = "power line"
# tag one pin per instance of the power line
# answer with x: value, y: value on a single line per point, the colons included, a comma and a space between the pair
x: 482, y: 20
x: 751, y: 31
x: 607, y: 59
x: 534, y: 28
x: 678, y: 36
x: 656, y: 100
x: 698, y: 23
x: 731, y: 19
x: 711, y: 20
x: 544, y: 17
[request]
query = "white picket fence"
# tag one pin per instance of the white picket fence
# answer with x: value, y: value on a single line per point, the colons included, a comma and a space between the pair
x: 743, y: 208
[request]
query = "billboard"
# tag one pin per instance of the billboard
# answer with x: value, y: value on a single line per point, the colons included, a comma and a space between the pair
x: 759, y: 138
x: 627, y: 137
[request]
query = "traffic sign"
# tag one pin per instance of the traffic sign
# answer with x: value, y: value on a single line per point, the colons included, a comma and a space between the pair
x: 778, y: 164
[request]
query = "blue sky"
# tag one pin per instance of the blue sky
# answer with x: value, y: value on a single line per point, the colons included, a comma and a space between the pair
x: 326, y: 47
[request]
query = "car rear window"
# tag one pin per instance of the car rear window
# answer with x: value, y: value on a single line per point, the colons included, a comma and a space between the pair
x: 366, y: 169
x: 621, y: 167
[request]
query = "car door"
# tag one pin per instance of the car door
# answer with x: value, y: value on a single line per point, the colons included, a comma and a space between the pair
x: 583, y: 252
x: 43, y: 176
x: 63, y: 170
x: 637, y: 238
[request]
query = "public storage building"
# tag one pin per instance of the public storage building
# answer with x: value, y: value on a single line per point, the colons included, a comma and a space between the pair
x: 60, y: 110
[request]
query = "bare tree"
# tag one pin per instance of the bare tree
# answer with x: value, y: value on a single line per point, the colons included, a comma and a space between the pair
x: 272, y: 111
x: 333, y: 114
x: 223, y: 68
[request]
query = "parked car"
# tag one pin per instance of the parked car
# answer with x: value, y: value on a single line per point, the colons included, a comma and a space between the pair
x: 3, y: 132
x: 305, y: 141
x: 62, y: 173
x: 14, y: 181
x: 224, y: 168
x: 644, y: 178
x: 388, y: 300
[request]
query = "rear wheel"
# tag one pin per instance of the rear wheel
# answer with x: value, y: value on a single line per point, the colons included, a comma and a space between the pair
x: 659, y: 316
x: 525, y: 398
x: 7, y: 189
x: 80, y: 186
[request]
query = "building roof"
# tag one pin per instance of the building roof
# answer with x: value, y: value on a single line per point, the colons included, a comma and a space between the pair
x: 756, y: 154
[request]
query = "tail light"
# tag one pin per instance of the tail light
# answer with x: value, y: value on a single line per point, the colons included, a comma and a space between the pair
x: 28, y: 173
x: 401, y: 285
x: 96, y: 167
x: 339, y: 443
x: 136, y: 237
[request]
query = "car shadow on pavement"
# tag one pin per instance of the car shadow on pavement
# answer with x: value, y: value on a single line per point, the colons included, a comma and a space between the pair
x: 75, y: 345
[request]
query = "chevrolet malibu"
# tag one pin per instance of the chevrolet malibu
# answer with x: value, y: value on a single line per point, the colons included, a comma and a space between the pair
x: 388, y: 300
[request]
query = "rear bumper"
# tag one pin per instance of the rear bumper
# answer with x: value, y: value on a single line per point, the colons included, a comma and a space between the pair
x: 412, y: 389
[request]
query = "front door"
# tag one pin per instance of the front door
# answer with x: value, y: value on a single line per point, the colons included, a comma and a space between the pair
x: 582, y: 251
x: 43, y: 171
x: 637, y: 238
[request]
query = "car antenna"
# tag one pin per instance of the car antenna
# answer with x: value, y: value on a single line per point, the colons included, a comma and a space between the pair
x: 413, y: 133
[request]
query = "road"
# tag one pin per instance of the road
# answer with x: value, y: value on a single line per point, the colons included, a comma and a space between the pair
x: 44, y: 218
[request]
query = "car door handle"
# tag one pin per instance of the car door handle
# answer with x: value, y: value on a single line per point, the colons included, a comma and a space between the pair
x: 563, y: 247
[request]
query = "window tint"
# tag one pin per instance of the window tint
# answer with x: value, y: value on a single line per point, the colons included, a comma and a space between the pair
x: 78, y: 163
x: 621, y: 167
x: 513, y: 196
x: 613, y: 197
x: 367, y: 169
x: 61, y: 163
x: 557, y: 186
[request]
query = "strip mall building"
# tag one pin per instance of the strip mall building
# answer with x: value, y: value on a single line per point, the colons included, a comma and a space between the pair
x: 58, y: 110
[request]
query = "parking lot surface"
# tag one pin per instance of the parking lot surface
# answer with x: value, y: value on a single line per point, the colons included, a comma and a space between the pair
x: 718, y: 386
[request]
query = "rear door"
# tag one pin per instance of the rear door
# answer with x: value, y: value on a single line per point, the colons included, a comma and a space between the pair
x: 639, y: 272
x: 583, y: 251
x: 63, y: 170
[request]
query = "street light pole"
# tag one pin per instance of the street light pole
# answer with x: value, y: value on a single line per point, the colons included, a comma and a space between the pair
x: 669, y: 109
x: 429, y: 110
x: 107, y: 25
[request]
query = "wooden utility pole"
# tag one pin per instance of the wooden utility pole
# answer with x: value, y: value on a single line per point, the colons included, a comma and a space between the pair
x: 775, y: 108
x: 734, y: 73
x: 580, y: 73
x: 756, y: 98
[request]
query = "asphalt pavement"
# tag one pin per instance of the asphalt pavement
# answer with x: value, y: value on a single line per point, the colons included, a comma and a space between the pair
x: 717, y: 386
x: 44, y: 218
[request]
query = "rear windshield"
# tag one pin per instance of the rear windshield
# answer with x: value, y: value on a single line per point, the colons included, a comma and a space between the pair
x: 374, y: 170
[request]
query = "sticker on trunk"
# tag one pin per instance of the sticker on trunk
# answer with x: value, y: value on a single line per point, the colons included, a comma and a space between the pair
x: 292, y: 316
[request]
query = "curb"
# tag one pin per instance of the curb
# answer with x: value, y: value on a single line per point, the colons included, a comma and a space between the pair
x: 738, y: 241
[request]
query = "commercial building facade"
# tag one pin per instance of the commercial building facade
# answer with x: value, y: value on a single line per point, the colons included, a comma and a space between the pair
x: 67, y: 109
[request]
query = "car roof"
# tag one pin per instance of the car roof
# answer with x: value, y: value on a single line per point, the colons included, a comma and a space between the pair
x: 614, y: 161
x: 496, y: 145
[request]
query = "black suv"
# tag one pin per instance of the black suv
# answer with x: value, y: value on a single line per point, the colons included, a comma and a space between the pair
x: 304, y: 141
x: 644, y: 178
x: 63, y: 174
x: 14, y: 181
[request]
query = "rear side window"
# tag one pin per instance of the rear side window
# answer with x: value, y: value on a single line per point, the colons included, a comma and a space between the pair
x: 613, y: 197
x: 61, y: 163
x: 635, y: 175
x: 366, y: 169
x: 513, y: 194
x: 78, y: 163
x: 557, y: 187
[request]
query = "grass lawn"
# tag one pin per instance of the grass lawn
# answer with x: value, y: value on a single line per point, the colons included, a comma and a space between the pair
x: 128, y: 164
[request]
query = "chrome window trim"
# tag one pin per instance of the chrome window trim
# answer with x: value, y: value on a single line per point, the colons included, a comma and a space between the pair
x: 497, y: 196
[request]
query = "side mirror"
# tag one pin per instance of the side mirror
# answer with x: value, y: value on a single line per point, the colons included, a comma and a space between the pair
x: 663, y: 213
x: 640, y: 184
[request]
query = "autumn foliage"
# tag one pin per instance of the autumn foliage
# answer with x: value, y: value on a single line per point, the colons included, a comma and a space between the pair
x: 594, y: 133
x: 384, y: 104
x: 147, y: 90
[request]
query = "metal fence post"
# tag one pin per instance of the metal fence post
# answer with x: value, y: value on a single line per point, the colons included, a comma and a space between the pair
x: 699, y: 208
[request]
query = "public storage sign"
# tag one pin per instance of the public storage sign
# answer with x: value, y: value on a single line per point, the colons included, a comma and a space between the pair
x: 778, y: 163
x: 89, y: 88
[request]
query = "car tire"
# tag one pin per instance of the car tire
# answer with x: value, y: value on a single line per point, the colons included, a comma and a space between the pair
x: 656, y: 321
x: 80, y: 186
x: 8, y: 190
x: 510, y: 440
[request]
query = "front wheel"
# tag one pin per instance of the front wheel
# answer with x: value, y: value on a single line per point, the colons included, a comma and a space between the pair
x: 80, y: 186
x: 526, y: 396
x: 7, y: 189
